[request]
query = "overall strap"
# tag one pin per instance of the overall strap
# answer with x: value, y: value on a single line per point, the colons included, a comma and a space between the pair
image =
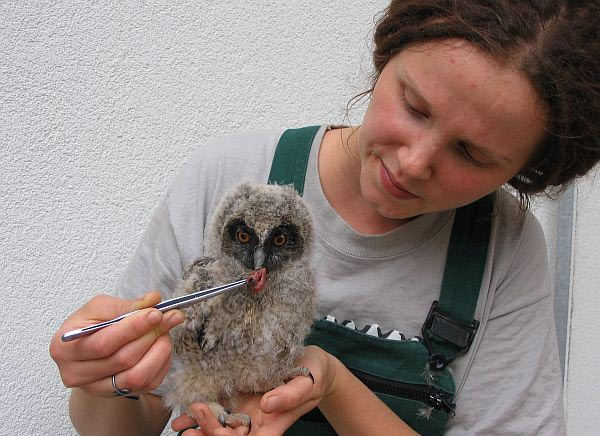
x: 450, y: 326
x: 291, y: 157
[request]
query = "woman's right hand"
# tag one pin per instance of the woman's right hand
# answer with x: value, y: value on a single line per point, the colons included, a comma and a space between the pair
x: 137, y: 349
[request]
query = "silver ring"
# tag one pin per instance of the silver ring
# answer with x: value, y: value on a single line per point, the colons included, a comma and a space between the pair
x: 300, y: 371
x: 304, y: 371
x: 126, y: 393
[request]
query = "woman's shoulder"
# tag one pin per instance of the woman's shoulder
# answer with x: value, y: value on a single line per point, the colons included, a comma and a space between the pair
x: 219, y: 163
x: 513, y: 222
x: 519, y: 271
x: 518, y: 237
x: 240, y: 151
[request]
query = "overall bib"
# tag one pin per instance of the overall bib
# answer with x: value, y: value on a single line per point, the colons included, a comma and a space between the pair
x: 409, y: 376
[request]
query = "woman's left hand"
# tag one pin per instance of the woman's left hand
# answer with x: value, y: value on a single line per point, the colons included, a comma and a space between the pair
x: 278, y: 409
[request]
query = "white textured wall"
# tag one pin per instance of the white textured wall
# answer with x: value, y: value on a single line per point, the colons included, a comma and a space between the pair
x: 101, y: 102
x: 582, y: 376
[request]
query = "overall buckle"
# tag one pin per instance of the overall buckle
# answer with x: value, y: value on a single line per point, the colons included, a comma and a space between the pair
x: 451, y: 331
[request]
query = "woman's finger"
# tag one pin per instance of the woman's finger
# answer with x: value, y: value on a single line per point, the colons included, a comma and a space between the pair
x: 107, y: 341
x: 183, y: 421
x: 105, y: 307
x: 98, y: 309
x: 162, y: 373
x: 209, y: 423
x: 291, y: 395
x: 204, y: 417
x: 142, y: 377
x: 124, y: 358
x: 191, y: 431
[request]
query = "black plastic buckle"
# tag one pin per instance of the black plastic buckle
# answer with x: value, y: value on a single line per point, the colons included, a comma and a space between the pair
x: 443, y: 326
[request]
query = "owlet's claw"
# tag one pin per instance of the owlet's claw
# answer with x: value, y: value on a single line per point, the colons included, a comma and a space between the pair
x: 235, y: 420
x: 228, y: 419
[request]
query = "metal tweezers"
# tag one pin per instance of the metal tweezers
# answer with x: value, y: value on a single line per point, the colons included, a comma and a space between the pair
x: 173, y: 303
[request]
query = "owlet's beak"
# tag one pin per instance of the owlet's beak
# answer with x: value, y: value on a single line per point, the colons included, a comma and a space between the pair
x: 259, y: 257
x: 258, y: 277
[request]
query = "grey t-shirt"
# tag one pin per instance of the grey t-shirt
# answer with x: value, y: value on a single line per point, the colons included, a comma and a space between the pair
x: 508, y: 384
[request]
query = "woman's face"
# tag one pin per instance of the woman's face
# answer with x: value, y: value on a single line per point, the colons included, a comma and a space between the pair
x: 445, y: 126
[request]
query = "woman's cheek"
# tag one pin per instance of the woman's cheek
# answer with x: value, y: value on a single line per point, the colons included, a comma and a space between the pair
x: 466, y: 187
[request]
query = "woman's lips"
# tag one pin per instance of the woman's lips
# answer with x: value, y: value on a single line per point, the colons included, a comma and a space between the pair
x: 392, y: 187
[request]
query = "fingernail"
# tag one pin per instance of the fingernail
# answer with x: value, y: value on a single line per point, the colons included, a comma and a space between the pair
x: 140, y: 303
x: 174, y: 318
x: 199, y: 415
x: 154, y: 317
x: 272, y: 403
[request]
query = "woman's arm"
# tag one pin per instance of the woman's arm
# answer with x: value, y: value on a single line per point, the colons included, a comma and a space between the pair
x: 114, y: 416
x: 136, y: 349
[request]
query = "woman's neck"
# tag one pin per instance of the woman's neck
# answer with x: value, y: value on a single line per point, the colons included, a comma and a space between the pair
x: 339, y: 173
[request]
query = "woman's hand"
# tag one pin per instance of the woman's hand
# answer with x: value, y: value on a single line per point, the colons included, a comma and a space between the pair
x: 137, y: 349
x: 278, y: 409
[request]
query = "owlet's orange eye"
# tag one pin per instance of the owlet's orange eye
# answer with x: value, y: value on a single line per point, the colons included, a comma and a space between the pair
x: 243, y: 237
x: 280, y: 240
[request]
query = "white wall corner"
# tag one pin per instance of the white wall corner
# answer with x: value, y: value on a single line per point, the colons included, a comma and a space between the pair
x: 582, y: 374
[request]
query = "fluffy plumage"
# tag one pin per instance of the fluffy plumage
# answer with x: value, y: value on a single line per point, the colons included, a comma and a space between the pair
x: 246, y: 340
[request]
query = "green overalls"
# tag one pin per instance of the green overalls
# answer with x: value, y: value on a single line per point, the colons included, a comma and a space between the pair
x: 411, y: 377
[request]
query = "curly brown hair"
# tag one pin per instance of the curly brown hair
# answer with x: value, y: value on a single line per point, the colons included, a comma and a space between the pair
x: 555, y: 43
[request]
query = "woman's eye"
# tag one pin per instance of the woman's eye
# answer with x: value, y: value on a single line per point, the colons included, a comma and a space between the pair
x: 243, y: 237
x: 415, y: 112
x: 412, y: 110
x: 463, y: 149
x: 280, y: 240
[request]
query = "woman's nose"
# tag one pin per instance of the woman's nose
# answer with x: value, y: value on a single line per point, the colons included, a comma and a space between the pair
x: 416, y: 159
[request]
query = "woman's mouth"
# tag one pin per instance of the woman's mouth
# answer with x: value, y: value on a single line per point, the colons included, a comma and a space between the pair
x: 391, y: 186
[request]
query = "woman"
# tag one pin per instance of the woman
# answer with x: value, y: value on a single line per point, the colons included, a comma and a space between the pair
x: 468, y: 96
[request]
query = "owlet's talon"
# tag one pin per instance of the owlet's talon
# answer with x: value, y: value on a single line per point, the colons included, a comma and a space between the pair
x: 234, y: 420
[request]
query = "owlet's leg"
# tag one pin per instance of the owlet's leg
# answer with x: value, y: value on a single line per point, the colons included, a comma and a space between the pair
x: 229, y: 419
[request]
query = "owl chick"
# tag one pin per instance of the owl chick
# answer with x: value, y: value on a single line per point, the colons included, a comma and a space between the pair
x: 247, y: 340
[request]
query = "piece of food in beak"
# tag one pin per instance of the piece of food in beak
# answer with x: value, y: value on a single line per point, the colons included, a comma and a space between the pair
x: 257, y: 279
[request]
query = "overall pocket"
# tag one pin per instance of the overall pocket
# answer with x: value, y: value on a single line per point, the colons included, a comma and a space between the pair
x: 395, y: 370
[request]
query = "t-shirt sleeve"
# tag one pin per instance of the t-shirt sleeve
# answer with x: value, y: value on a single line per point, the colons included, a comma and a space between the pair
x: 175, y: 236
x: 156, y: 262
x: 514, y: 385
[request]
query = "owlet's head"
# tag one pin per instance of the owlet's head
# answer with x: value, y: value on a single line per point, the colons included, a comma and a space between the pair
x: 261, y: 226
